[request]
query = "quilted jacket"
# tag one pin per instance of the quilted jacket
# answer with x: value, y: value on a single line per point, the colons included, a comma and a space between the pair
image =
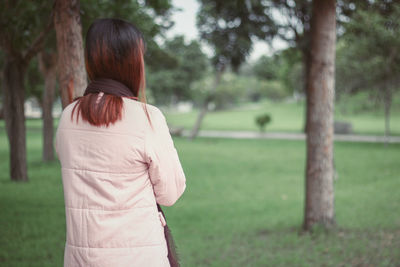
x: 112, y: 179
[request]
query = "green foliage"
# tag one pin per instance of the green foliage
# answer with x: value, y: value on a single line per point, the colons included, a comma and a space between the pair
x: 294, y: 25
x: 21, y: 22
x: 368, y: 55
x: 291, y: 70
x: 173, y: 84
x: 230, y: 27
x: 34, y: 83
x: 262, y: 121
x: 273, y: 90
x: 232, y: 90
x: 280, y: 75
x: 266, y: 68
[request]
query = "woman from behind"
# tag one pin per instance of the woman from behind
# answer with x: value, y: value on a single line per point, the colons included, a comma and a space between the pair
x: 118, y: 160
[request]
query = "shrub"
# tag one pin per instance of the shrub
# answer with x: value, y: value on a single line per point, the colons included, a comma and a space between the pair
x: 262, y: 121
x: 273, y: 90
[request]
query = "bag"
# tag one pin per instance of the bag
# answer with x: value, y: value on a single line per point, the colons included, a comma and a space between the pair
x: 172, y: 254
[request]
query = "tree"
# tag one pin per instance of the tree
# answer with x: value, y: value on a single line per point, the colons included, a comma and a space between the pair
x: 48, y: 68
x: 267, y: 68
x: 41, y: 84
x: 230, y: 27
x: 173, y: 84
x: 23, y: 28
x: 319, y: 201
x: 71, y: 68
x: 365, y: 65
x: 294, y: 28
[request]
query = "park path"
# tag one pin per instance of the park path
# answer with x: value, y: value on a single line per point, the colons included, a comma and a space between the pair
x: 293, y: 136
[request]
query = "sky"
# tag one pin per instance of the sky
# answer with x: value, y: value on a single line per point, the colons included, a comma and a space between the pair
x: 185, y: 24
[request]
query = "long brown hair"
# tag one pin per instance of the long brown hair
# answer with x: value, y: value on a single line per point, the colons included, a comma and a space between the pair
x: 114, y: 50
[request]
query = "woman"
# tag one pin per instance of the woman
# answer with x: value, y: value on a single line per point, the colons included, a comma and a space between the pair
x: 118, y: 160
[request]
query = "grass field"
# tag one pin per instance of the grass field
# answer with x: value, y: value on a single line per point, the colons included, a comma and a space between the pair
x: 243, y: 207
x: 286, y: 117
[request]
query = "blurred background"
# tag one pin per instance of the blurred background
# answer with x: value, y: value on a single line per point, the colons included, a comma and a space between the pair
x: 231, y: 78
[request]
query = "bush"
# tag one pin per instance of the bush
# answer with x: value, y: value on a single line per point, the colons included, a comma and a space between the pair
x: 262, y: 121
x: 273, y: 90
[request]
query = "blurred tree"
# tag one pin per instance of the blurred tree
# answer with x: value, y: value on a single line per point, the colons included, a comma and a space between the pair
x: 173, y: 84
x: 48, y: 68
x: 230, y: 27
x: 291, y: 71
x: 363, y: 63
x: 294, y: 28
x: 71, y: 68
x: 42, y: 70
x: 282, y: 72
x: 267, y: 68
x: 319, y: 202
x: 23, y: 28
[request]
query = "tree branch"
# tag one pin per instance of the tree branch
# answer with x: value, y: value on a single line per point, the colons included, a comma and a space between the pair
x: 38, y: 43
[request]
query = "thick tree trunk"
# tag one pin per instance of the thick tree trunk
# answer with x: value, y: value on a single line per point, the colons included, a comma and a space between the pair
x: 71, y: 68
x: 14, y: 96
x: 47, y: 65
x: 204, y: 108
x: 319, y: 201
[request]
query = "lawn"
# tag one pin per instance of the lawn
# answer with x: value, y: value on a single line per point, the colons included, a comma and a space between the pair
x: 243, y: 207
x: 286, y: 117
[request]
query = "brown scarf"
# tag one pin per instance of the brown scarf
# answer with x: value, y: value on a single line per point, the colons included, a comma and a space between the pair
x: 113, y: 87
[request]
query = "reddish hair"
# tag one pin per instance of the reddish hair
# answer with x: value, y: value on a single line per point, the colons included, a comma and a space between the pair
x: 114, y: 50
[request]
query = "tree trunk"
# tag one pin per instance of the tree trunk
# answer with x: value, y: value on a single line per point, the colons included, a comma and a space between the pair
x: 14, y: 96
x: 388, y: 104
x: 47, y: 65
x: 306, y: 66
x: 387, y: 93
x: 204, y: 109
x: 71, y: 68
x: 319, y: 200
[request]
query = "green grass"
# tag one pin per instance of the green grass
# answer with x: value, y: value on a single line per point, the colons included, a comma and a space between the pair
x: 243, y: 207
x: 286, y: 117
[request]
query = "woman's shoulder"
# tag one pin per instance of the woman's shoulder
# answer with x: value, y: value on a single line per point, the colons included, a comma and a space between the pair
x: 152, y: 109
x: 66, y: 112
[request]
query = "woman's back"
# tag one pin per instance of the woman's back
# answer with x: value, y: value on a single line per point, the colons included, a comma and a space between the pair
x: 113, y: 177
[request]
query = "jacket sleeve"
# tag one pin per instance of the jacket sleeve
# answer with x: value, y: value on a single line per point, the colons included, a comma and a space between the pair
x: 165, y: 170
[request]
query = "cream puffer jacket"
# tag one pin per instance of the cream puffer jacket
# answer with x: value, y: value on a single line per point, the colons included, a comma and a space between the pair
x: 112, y: 179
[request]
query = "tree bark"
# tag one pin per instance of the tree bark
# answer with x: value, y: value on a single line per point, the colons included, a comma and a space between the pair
x: 387, y: 92
x: 47, y: 65
x: 388, y: 104
x: 306, y: 66
x: 319, y: 197
x: 14, y: 115
x: 204, y: 109
x: 71, y: 68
